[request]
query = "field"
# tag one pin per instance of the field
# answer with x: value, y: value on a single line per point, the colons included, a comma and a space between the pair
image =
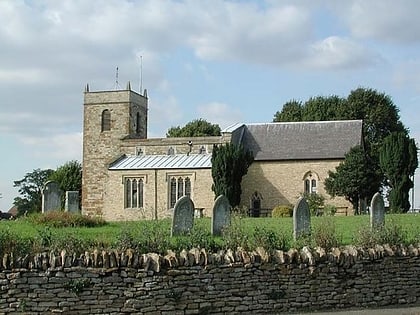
x: 29, y: 234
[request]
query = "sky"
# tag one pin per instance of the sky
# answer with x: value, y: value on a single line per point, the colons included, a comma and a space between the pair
x: 223, y: 61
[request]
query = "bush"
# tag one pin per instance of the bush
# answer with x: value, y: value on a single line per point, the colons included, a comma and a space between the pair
x: 236, y: 236
x: 325, y: 234
x: 282, y: 211
x: 315, y: 202
x: 66, y: 219
x: 270, y: 240
x: 11, y: 242
x: 330, y: 210
x: 391, y: 233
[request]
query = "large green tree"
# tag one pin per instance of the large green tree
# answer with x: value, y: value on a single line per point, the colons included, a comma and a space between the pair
x: 323, y: 108
x: 30, y: 189
x: 195, y: 128
x: 353, y: 178
x: 398, y: 160
x: 380, y: 118
x: 69, y: 177
x: 229, y: 164
x: 379, y: 114
x: 291, y: 111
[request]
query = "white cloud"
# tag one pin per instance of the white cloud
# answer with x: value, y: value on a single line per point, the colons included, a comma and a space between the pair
x: 383, y: 20
x: 220, y: 113
x: 163, y: 114
x: 340, y: 53
x: 244, y: 32
x: 61, y: 147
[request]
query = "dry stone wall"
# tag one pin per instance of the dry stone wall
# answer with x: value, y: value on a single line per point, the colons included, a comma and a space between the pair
x: 197, y: 282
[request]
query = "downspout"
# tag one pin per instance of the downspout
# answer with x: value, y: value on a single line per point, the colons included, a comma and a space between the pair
x: 156, y: 203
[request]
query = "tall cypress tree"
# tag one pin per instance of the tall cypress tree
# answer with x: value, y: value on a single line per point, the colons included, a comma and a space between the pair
x: 229, y: 164
x: 398, y: 161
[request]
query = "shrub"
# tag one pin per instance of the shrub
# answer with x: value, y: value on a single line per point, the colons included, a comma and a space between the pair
x: 391, y: 233
x: 330, y: 210
x: 270, y: 240
x: 282, y: 211
x: 315, y: 202
x: 11, y: 242
x: 325, y: 234
x: 67, y: 219
x: 236, y: 236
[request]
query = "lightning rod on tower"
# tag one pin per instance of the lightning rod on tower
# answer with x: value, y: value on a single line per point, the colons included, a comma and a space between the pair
x: 141, y: 74
x: 116, y: 79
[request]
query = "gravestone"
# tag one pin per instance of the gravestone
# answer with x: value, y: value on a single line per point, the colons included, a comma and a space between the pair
x: 51, y: 197
x: 301, y: 219
x: 72, y: 201
x: 221, y: 215
x: 377, y: 211
x: 183, y: 219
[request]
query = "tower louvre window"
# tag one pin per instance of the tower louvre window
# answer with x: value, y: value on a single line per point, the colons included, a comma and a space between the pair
x: 106, y: 120
x: 138, y: 121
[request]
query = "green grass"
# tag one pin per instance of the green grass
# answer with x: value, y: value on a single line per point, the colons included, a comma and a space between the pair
x: 249, y: 233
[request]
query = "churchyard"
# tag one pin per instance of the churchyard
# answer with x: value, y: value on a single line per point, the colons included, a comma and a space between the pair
x: 224, y: 264
x: 58, y: 230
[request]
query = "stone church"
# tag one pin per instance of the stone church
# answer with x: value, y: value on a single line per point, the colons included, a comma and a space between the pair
x: 128, y: 176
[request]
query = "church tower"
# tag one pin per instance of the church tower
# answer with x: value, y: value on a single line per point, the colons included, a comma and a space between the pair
x: 109, y: 118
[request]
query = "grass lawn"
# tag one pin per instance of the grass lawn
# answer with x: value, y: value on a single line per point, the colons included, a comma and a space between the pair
x: 249, y: 232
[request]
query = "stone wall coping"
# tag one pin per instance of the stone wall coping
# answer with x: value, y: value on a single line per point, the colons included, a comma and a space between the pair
x: 112, y: 260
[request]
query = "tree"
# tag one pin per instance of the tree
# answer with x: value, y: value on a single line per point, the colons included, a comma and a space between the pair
x: 229, y: 164
x: 353, y: 178
x: 69, y: 177
x: 380, y: 118
x: 291, y: 111
x: 379, y: 114
x: 323, y: 108
x: 398, y: 160
x: 195, y: 128
x: 30, y: 187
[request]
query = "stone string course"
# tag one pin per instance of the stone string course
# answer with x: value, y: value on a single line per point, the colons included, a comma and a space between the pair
x: 198, y: 282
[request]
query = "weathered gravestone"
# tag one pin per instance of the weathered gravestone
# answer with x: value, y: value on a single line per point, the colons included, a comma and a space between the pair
x: 51, y: 197
x: 377, y: 211
x: 183, y: 219
x: 72, y: 201
x: 301, y: 219
x: 221, y: 215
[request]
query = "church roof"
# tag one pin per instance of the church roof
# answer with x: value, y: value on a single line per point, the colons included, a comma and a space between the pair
x: 173, y: 161
x: 301, y: 140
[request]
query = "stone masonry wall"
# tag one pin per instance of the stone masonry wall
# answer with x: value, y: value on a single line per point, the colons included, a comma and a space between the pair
x: 281, y: 182
x: 196, y: 282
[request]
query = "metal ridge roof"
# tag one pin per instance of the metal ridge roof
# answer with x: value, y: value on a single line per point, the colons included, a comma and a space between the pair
x: 175, y: 161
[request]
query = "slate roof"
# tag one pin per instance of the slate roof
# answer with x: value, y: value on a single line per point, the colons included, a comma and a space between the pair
x: 301, y: 140
x: 175, y: 161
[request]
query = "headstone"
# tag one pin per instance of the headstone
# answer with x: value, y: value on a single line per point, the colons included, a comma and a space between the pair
x: 221, y: 215
x: 51, y: 197
x: 301, y: 219
x: 183, y: 219
x: 377, y: 211
x: 72, y: 201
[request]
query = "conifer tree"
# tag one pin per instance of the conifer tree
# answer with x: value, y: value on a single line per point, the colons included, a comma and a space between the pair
x: 398, y: 161
x: 229, y: 164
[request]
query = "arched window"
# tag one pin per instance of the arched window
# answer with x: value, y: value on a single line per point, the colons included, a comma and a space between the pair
x: 134, y: 192
x: 310, y: 183
x: 171, y: 151
x: 106, y: 120
x: 178, y: 187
